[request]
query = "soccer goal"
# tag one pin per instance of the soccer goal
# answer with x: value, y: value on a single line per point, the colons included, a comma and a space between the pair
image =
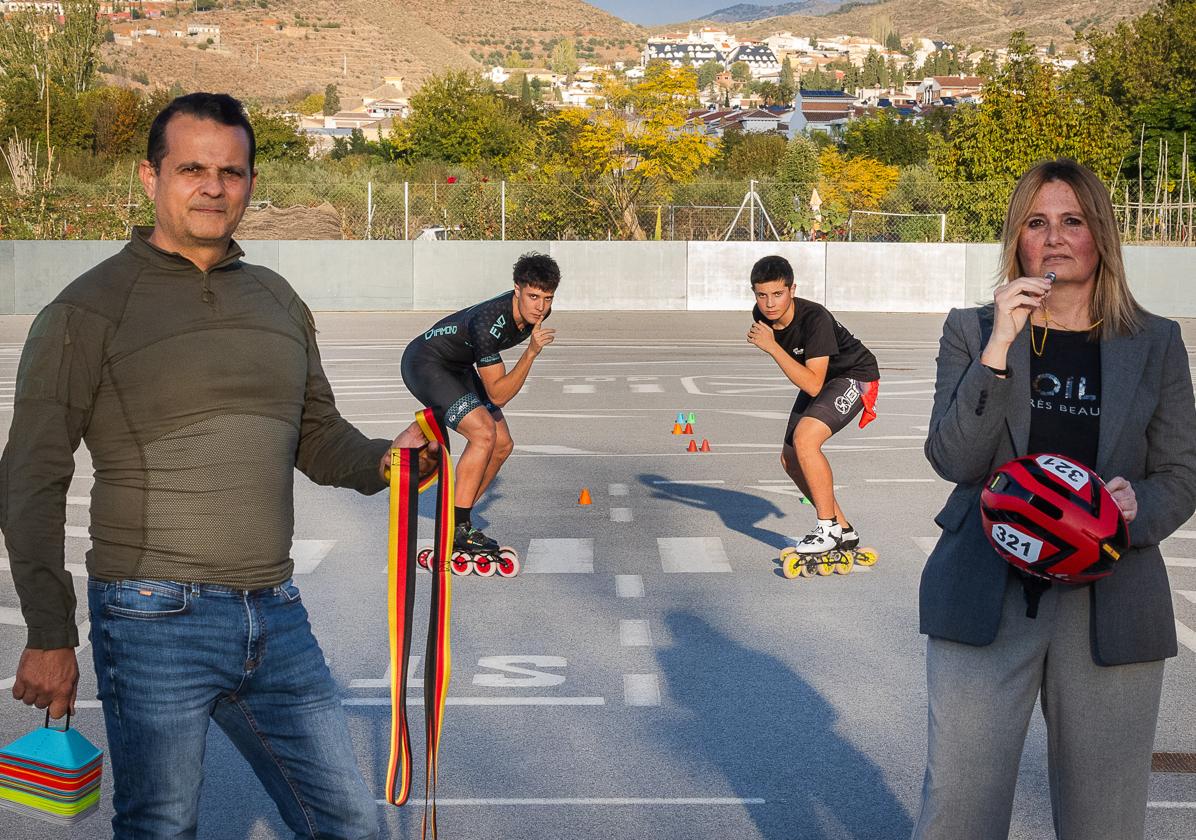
x: 879, y: 226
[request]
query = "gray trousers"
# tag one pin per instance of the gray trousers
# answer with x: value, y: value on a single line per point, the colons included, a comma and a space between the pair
x: 1100, y: 726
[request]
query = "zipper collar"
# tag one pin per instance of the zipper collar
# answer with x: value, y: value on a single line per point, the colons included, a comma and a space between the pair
x: 140, y: 245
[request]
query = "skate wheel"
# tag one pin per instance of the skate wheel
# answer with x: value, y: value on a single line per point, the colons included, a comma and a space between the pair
x: 866, y: 556
x: 805, y: 569
x: 460, y: 564
x: 844, y: 565
x: 826, y: 567
x: 424, y: 557
x: 791, y: 565
x: 507, y: 562
x: 484, y: 566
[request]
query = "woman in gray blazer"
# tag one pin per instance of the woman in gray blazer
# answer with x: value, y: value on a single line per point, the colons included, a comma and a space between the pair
x: 1073, y: 367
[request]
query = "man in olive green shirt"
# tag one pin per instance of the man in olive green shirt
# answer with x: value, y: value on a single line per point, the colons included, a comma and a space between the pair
x: 196, y: 381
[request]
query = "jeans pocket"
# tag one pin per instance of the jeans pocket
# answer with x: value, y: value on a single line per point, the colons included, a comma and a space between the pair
x: 146, y: 600
x: 290, y: 592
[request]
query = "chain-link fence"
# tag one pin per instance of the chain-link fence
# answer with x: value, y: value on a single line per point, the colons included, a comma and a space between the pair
x: 917, y: 208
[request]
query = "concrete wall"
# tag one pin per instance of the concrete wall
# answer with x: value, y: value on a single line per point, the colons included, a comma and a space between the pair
x: 622, y: 276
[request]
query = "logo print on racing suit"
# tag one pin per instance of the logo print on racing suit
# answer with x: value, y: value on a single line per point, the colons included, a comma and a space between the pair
x: 844, y: 402
x: 496, y: 330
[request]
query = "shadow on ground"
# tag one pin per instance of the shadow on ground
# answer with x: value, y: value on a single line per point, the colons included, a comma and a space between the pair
x: 738, y: 511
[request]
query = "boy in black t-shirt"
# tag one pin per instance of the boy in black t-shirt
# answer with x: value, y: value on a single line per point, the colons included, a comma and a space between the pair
x: 837, y: 377
x: 455, y: 369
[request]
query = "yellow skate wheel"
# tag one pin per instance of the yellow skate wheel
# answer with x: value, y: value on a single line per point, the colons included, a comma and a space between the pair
x: 866, y: 556
x: 846, y: 561
x: 806, y: 569
x: 826, y: 567
x: 791, y: 565
x: 787, y: 552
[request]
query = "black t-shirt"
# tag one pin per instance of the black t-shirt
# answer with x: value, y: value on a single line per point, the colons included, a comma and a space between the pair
x: 814, y: 332
x: 474, y: 336
x: 1065, y: 395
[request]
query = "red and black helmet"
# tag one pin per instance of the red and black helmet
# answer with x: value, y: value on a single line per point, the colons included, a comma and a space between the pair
x: 1051, y: 517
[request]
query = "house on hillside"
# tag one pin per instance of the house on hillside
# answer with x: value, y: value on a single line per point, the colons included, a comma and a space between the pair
x: 717, y: 121
x: 826, y: 111
x: 682, y: 53
x: 759, y: 58
x: 935, y: 88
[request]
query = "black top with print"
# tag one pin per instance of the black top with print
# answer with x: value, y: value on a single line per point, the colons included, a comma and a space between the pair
x: 474, y: 336
x: 815, y: 332
x: 1065, y: 395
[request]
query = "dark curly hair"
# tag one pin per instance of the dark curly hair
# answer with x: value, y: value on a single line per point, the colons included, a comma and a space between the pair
x: 537, y: 270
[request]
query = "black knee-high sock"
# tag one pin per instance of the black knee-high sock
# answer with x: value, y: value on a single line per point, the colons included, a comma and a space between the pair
x: 461, y: 515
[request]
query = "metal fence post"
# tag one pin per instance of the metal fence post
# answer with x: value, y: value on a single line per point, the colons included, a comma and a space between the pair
x: 406, y: 211
x: 752, y: 199
x: 369, y: 209
x: 504, y: 211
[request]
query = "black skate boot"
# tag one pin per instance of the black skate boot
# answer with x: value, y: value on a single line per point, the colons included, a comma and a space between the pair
x: 469, y: 540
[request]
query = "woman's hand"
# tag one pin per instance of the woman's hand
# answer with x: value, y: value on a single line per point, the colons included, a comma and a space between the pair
x: 1123, y: 493
x: 1014, y: 301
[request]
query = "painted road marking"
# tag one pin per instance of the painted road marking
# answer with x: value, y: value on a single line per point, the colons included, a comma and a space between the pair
x: 641, y: 689
x: 1191, y: 596
x: 1180, y: 562
x: 1185, y: 535
x: 629, y: 586
x: 693, y: 481
x: 617, y: 489
x: 1187, y: 636
x: 634, y: 632
x: 900, y: 480
x: 81, y: 501
x: 551, y: 450
x: 647, y: 389
x: 621, y: 515
x: 308, y: 554
x: 77, y: 570
x: 605, y: 801
x: 1178, y: 805
x: 692, y: 554
x: 927, y: 544
x: 579, y: 389
x: 557, y: 556
x: 483, y: 701
x: 78, y: 532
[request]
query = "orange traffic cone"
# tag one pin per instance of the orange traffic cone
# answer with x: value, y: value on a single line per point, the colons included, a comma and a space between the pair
x: 705, y: 445
x: 584, y: 498
x: 689, y: 429
x: 677, y: 429
x: 693, y: 446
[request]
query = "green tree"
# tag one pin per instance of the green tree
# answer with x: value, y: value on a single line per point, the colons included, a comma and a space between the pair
x: 332, y: 100
x: 525, y: 89
x: 887, y: 138
x: 458, y: 118
x: 788, y: 196
x: 893, y: 42
x: 564, y: 57
x: 1028, y: 115
x: 35, y: 45
x: 313, y: 103
x: 278, y: 137
x: 756, y: 155
x: 631, y: 153
x: 112, y: 115
x: 707, y: 73
x: 788, y: 78
x: 741, y: 72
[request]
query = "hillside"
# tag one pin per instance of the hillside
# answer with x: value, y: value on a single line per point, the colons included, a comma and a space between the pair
x: 979, y: 23
x: 274, y: 53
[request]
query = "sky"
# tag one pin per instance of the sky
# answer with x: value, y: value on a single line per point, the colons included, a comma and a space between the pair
x: 667, y: 11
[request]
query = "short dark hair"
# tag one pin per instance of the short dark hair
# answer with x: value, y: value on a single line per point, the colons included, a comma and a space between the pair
x: 538, y: 270
x: 218, y: 107
x: 772, y: 268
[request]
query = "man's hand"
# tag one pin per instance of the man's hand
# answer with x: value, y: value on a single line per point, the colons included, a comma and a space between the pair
x: 763, y: 336
x: 541, y: 337
x: 413, y: 438
x: 1125, y: 497
x: 48, y: 679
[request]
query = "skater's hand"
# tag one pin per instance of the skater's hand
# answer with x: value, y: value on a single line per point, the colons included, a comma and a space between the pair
x: 541, y: 337
x: 1013, y: 302
x: 413, y: 438
x: 1123, y: 493
x: 47, y: 679
x: 763, y: 336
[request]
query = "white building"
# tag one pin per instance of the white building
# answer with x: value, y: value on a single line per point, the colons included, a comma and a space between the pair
x: 759, y: 57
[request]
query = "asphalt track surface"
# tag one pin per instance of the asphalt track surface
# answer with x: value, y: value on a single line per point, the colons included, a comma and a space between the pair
x: 650, y: 674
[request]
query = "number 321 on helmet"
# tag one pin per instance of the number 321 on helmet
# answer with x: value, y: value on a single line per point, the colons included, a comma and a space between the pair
x: 1052, y: 517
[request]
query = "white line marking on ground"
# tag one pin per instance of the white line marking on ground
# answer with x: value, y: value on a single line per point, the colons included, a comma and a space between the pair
x: 1191, y: 596
x: 617, y: 489
x: 483, y: 701
x: 1173, y: 805
x: 629, y: 586
x: 634, y: 632
x: 641, y: 689
x: 692, y: 554
x: 1185, y: 535
x: 568, y: 556
x: 1180, y: 562
x: 308, y: 554
x: 621, y: 515
x: 762, y: 415
x: 12, y: 617
x: 927, y: 544
x: 1187, y: 636
x: 647, y: 389
x: 899, y: 480
x: 604, y: 801
x: 78, y: 570
x: 551, y: 449
x: 561, y: 415
x: 81, y: 501
x: 692, y: 481
x: 78, y: 531
x: 579, y: 389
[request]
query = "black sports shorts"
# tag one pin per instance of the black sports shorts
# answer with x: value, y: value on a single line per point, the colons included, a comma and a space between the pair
x: 840, y: 400
x: 450, y: 393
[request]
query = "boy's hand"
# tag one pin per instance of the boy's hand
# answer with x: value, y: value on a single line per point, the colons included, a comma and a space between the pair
x: 541, y: 337
x: 763, y: 336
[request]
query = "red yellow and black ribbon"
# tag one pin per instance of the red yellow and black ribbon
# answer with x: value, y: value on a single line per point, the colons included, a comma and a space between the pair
x: 404, y: 520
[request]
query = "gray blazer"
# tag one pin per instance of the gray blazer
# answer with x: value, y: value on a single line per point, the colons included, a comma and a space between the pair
x: 1147, y: 435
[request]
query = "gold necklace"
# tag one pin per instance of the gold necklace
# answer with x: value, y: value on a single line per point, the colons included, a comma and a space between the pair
x: 1039, y: 349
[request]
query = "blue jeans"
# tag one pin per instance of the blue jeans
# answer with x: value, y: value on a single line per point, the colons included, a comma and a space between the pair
x: 170, y: 657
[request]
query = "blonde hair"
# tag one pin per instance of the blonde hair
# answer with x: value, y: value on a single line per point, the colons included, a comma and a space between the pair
x: 1112, y: 301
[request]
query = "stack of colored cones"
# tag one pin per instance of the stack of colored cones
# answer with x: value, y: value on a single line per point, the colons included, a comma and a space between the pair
x: 685, y: 426
x: 51, y: 775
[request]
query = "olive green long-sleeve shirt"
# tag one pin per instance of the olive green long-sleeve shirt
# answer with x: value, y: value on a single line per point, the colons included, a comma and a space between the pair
x: 197, y: 394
